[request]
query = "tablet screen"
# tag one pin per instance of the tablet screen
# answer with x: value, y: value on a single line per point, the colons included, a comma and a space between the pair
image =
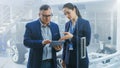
x: 56, y: 43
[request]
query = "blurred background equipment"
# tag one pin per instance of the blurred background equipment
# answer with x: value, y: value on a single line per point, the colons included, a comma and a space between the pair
x: 103, y: 15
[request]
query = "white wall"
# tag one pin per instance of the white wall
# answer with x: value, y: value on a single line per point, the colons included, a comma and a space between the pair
x: 118, y: 25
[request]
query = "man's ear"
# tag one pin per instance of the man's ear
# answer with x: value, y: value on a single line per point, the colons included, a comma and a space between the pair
x: 39, y: 13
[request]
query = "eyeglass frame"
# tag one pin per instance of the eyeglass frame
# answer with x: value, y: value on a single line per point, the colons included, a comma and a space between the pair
x: 47, y: 15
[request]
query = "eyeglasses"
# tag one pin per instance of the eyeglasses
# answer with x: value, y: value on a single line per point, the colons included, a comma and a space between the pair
x: 47, y: 15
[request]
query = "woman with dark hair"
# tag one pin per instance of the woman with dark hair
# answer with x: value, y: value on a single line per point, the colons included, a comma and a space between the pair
x: 75, y: 29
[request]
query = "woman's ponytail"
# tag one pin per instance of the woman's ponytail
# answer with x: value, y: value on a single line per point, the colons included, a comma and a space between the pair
x: 77, y: 11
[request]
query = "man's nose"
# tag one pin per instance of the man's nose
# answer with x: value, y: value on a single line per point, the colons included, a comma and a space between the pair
x: 46, y: 17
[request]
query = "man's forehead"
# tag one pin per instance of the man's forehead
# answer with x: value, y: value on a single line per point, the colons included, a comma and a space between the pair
x: 46, y: 10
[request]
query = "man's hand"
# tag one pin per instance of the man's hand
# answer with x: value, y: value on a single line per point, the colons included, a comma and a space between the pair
x: 58, y: 47
x: 46, y: 42
x: 63, y: 64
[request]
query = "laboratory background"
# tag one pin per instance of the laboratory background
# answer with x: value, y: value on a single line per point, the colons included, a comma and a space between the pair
x: 103, y: 15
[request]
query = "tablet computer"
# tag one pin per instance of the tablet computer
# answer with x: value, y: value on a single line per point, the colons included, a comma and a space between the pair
x: 56, y: 43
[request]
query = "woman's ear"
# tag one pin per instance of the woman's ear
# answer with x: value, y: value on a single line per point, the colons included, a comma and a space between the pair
x: 74, y: 9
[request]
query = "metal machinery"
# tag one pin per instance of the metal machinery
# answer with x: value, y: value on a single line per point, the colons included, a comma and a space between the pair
x: 102, y: 16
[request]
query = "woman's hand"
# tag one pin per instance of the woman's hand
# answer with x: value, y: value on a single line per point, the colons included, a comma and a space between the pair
x: 68, y: 35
